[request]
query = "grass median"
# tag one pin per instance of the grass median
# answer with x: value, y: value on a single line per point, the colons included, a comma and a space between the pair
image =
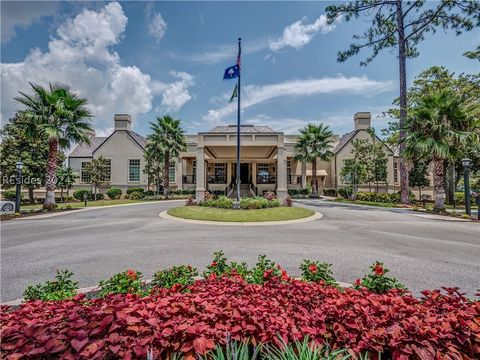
x: 256, y: 215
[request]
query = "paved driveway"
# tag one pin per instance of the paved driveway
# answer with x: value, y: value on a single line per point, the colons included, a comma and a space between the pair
x: 95, y: 244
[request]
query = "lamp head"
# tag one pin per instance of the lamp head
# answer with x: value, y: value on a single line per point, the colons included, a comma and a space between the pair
x: 19, y: 165
x: 466, y: 162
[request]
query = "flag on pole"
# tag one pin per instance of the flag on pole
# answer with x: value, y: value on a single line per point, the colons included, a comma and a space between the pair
x: 231, y: 72
x: 234, y: 94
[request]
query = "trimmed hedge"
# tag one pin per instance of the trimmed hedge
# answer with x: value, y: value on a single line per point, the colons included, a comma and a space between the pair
x: 11, y: 195
x: 78, y: 194
x: 114, y: 193
x: 132, y: 190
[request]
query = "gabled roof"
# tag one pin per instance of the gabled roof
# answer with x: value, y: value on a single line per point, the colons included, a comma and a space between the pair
x: 87, y: 150
x: 243, y: 129
x: 344, y: 140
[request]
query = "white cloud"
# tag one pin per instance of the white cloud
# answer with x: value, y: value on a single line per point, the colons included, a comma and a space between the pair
x: 158, y: 26
x: 22, y: 14
x: 176, y: 94
x: 298, y: 34
x: 80, y: 56
x: 255, y: 94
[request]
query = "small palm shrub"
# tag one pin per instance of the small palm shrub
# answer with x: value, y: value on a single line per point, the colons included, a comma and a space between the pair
x: 127, y: 282
x: 63, y: 287
x: 178, y: 275
x: 377, y: 281
x: 303, y: 350
x: 233, y: 350
x: 317, y: 271
x: 114, y: 193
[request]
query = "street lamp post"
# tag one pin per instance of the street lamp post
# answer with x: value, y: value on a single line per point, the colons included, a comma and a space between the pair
x: 466, y: 162
x: 18, y: 194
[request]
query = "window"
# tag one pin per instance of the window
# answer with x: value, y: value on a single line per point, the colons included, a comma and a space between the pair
x: 108, y: 170
x: 171, y: 173
x: 289, y: 168
x: 84, y: 174
x: 194, y: 167
x: 219, y: 169
x: 395, y: 172
x: 262, y: 168
x: 134, y: 170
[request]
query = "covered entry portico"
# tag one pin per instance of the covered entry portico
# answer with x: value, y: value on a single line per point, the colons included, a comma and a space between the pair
x: 263, y: 162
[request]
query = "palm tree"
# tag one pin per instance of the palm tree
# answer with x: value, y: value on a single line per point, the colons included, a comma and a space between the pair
x: 168, y: 138
x: 442, y: 126
x: 59, y: 116
x: 314, y: 142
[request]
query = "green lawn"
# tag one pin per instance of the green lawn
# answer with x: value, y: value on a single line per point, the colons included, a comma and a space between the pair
x: 81, y: 204
x: 258, y: 215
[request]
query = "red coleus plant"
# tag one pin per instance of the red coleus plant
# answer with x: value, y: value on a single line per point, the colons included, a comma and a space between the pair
x: 437, y: 326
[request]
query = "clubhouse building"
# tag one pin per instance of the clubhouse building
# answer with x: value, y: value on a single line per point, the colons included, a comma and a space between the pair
x: 208, y: 164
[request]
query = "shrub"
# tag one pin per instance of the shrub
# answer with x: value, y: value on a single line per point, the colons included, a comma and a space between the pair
x: 136, y: 195
x: 114, y: 193
x: 190, y: 201
x: 460, y: 198
x: 220, y: 267
x: 257, y: 202
x: 63, y: 287
x: 98, y: 196
x: 317, y: 271
x: 149, y: 193
x: 69, y: 199
x: 269, y: 195
x: 265, y: 270
x: 330, y: 192
x: 397, y: 325
x: 178, y: 275
x: 299, y: 193
x: 11, y: 195
x: 138, y: 189
x: 78, y: 194
x: 377, y: 282
x: 222, y: 202
x: 127, y: 282
x: 345, y: 192
x: 287, y: 201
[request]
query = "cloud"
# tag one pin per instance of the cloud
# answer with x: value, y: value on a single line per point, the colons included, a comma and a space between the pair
x: 176, y: 94
x: 81, y: 56
x: 22, y: 14
x: 158, y: 26
x: 298, y: 34
x: 256, y: 94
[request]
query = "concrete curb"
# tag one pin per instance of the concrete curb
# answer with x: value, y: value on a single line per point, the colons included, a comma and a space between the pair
x: 315, y: 216
x: 75, y: 210
x: 88, y: 289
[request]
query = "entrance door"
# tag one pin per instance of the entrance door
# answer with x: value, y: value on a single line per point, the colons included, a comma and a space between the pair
x: 244, y: 176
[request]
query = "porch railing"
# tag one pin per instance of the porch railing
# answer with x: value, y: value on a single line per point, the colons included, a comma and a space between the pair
x: 217, y: 179
x: 294, y: 179
x: 266, y: 179
x: 189, y: 179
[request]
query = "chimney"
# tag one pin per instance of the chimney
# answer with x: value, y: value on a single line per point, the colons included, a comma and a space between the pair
x: 362, y: 120
x: 122, y: 122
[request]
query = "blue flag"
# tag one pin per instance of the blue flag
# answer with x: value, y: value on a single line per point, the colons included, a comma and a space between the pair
x: 231, y: 72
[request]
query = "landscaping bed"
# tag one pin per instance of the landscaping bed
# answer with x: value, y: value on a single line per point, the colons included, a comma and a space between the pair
x: 256, y: 313
x: 229, y: 215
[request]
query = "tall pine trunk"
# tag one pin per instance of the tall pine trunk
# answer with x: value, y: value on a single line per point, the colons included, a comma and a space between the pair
x: 438, y: 183
x: 51, y: 179
x: 166, y: 180
x: 31, y: 197
x: 314, y: 178
x: 403, y: 102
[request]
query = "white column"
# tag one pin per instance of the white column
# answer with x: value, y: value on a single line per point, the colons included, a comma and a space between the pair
x: 254, y: 173
x: 179, y: 173
x: 200, y: 176
x: 281, y: 174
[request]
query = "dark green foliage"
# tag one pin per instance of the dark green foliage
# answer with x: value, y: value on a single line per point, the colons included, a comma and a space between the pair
x: 317, y: 271
x: 221, y: 202
x: 114, y: 193
x: 377, y: 281
x: 220, y: 267
x: 11, y: 195
x: 182, y: 275
x: 257, y: 202
x: 127, y: 282
x: 345, y: 192
x: 132, y: 190
x: 63, y: 287
x: 264, y: 270
x: 330, y: 192
x: 78, y: 194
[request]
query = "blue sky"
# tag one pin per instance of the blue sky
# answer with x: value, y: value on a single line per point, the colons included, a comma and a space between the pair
x: 154, y: 58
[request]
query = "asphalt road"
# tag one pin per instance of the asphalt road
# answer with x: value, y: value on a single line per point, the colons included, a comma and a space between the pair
x: 95, y: 244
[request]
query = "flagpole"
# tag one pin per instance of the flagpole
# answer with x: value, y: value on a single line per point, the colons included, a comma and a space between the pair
x: 238, y: 120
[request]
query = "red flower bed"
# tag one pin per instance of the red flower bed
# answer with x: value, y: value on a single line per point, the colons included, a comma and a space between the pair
x: 403, y: 327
